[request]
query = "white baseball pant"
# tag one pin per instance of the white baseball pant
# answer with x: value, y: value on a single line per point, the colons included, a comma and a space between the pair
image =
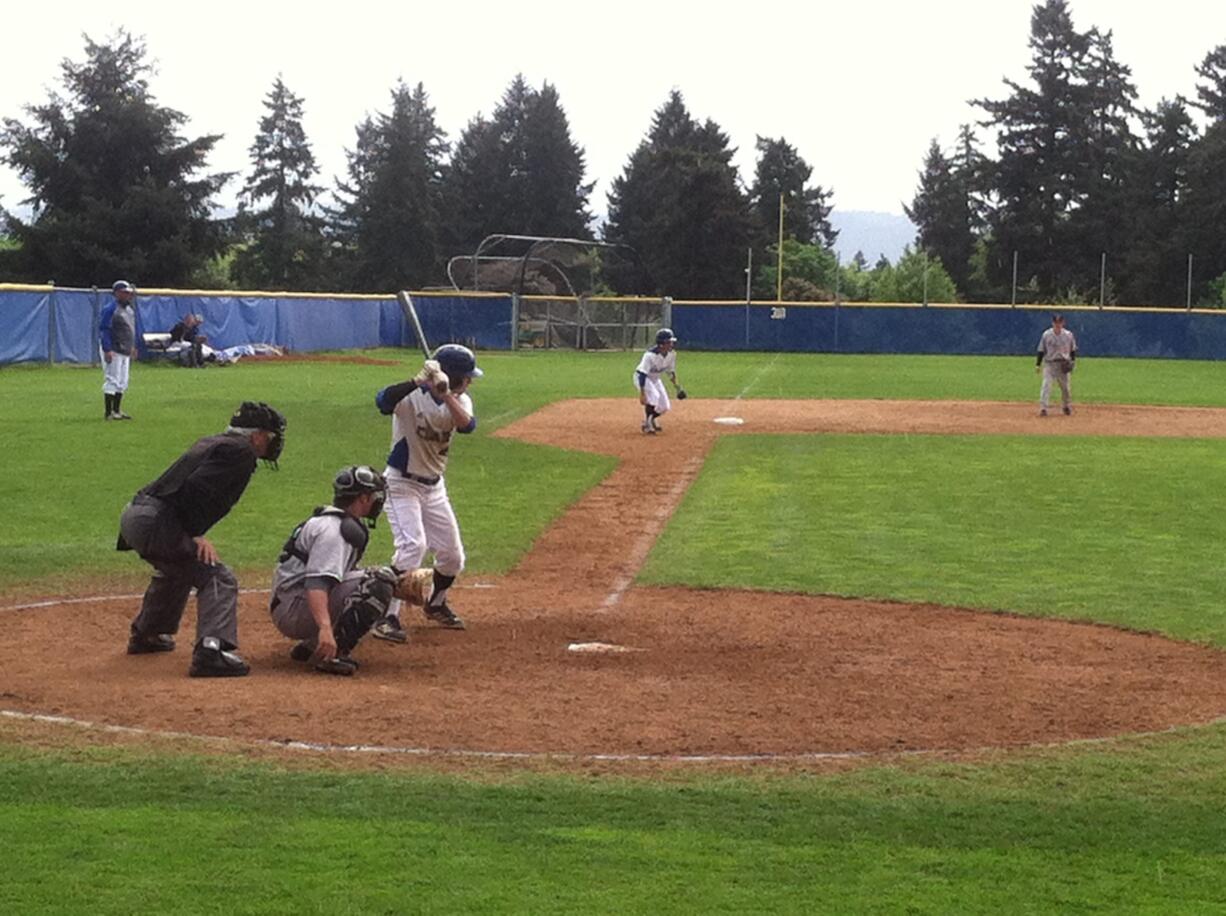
x: 115, y: 373
x: 421, y: 519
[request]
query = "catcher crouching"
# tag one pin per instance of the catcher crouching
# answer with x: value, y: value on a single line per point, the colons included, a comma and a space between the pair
x: 320, y: 597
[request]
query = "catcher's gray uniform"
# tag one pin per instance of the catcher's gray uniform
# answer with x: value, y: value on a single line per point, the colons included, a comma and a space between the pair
x: 323, y: 553
x: 1057, y: 353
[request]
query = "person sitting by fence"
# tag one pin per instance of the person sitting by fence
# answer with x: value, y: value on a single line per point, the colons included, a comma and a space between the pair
x: 187, y: 332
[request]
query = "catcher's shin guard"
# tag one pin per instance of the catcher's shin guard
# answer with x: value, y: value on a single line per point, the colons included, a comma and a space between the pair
x: 363, y: 608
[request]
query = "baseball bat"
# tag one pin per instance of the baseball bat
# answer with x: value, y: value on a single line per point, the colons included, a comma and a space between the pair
x: 406, y: 306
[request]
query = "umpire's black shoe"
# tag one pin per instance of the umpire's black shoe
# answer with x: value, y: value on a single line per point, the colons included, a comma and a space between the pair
x: 302, y: 651
x: 209, y: 659
x: 139, y: 644
x: 342, y: 665
x: 444, y: 616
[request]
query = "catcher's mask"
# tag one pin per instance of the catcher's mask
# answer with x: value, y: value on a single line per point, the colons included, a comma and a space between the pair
x: 357, y: 479
x: 458, y: 363
x: 665, y: 335
x: 258, y: 415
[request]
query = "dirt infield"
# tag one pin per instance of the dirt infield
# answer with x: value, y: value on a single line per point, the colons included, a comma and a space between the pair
x: 709, y: 673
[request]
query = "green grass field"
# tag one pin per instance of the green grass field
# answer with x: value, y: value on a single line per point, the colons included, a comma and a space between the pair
x: 1117, y: 530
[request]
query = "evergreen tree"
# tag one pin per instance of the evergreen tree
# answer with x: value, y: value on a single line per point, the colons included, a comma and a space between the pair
x: 387, y: 223
x: 1212, y: 91
x: 285, y: 245
x: 1204, y: 209
x: 806, y: 214
x: 517, y: 172
x: 680, y: 205
x: 1062, y: 145
x: 1108, y: 155
x: 556, y: 197
x: 948, y: 206
x: 1154, y: 261
x: 114, y: 187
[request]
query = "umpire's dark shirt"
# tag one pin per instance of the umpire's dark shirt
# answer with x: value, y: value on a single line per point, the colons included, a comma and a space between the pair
x: 206, y: 481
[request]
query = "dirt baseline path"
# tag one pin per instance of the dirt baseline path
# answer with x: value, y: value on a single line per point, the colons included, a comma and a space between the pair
x: 708, y: 673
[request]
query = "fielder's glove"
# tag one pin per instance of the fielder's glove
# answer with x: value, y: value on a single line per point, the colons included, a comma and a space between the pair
x: 414, y: 586
x: 681, y: 394
x: 1066, y: 366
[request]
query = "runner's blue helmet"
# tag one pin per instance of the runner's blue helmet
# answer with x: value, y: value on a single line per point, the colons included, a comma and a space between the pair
x: 664, y: 335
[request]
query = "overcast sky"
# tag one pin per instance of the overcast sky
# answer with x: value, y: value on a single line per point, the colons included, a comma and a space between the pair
x: 859, y: 88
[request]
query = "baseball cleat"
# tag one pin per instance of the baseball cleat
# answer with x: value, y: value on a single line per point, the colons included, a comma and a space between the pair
x: 341, y: 665
x: 139, y: 644
x: 646, y: 427
x: 120, y: 415
x: 210, y: 660
x: 389, y: 629
x: 1068, y: 411
x: 302, y: 651
x: 444, y: 617
x: 656, y: 427
x: 1042, y: 413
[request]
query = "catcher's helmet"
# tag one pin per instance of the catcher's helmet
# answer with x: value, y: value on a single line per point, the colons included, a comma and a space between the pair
x: 458, y: 362
x: 357, y: 479
x: 664, y: 335
x: 258, y: 415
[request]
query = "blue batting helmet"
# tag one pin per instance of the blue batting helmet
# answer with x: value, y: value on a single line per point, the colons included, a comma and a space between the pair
x: 458, y: 362
x: 664, y: 335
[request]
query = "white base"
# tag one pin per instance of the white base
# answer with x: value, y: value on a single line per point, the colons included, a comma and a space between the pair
x: 598, y: 648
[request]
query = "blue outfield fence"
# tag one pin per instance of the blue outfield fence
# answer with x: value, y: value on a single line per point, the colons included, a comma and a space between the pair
x: 945, y: 329
x: 45, y: 324
x: 61, y: 325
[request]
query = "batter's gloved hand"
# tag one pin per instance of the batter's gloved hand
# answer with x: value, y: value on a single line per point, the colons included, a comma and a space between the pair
x: 416, y: 586
x: 433, y: 376
x: 681, y: 394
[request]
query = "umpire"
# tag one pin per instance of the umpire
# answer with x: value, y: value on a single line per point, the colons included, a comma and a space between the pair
x: 165, y: 524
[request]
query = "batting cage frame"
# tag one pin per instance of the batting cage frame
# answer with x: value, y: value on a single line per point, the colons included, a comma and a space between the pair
x: 562, y: 290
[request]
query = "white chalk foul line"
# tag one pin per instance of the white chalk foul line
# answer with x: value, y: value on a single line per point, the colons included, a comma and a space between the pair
x: 753, y: 381
x: 56, y: 602
x: 802, y: 757
x: 642, y: 546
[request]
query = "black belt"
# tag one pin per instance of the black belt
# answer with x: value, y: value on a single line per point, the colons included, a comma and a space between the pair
x: 428, y: 481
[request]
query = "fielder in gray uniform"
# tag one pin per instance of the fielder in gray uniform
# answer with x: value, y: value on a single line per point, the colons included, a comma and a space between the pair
x: 319, y: 596
x: 1057, y: 357
x: 166, y: 523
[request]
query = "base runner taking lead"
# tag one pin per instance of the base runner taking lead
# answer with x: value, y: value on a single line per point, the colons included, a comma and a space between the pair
x: 659, y: 360
x: 426, y: 412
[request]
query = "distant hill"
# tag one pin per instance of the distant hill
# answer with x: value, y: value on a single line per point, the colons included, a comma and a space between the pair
x: 873, y: 233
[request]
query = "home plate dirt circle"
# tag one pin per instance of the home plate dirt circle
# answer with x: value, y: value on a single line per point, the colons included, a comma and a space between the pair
x: 714, y: 674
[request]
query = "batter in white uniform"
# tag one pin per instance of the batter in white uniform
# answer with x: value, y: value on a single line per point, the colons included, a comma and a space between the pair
x: 426, y: 412
x: 659, y: 360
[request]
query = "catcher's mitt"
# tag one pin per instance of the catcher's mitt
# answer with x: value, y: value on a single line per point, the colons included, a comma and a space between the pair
x: 432, y: 374
x: 415, y: 586
x: 681, y: 394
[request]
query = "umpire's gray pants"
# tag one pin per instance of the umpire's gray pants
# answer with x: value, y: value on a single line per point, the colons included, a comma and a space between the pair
x: 292, y: 615
x: 150, y: 528
x: 1051, y: 371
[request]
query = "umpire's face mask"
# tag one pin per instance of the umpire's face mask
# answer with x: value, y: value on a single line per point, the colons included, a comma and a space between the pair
x: 272, y: 451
